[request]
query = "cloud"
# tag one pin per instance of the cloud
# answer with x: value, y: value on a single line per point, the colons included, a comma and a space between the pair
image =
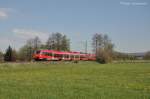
x: 19, y: 38
x: 5, y: 12
x: 5, y: 42
x: 27, y: 34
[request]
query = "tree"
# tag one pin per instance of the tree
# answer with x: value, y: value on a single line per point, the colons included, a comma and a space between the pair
x: 14, y: 55
x: 58, y: 38
x: 1, y: 56
x: 8, y: 54
x: 65, y: 44
x: 43, y: 46
x: 103, y: 48
x: 50, y: 42
x: 36, y: 43
x: 25, y: 53
x: 97, y: 42
x: 57, y: 41
x: 147, y: 56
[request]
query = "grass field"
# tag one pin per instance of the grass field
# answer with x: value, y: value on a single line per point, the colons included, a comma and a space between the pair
x: 85, y: 80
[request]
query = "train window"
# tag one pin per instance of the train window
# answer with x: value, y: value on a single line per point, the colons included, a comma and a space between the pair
x: 72, y: 56
x: 50, y: 54
x: 38, y: 52
x: 45, y: 53
x: 67, y: 56
x: 57, y: 55
x: 83, y: 56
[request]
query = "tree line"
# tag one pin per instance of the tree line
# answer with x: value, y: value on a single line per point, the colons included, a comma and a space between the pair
x: 101, y: 44
x: 56, y: 41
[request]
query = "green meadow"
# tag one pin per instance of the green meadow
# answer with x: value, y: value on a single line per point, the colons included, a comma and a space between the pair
x: 84, y: 80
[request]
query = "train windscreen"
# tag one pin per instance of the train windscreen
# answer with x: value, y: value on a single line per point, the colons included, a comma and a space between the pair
x: 38, y: 52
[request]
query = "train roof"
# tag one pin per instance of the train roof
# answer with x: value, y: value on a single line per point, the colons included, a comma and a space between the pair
x: 65, y: 52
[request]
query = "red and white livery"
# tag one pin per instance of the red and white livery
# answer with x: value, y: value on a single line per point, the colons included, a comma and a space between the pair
x: 52, y: 55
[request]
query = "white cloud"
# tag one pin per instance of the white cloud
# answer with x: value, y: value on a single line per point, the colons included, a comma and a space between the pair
x: 27, y: 34
x: 5, y: 12
x: 5, y: 42
x: 19, y: 38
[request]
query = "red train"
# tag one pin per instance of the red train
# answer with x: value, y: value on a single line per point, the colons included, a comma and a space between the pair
x: 62, y: 55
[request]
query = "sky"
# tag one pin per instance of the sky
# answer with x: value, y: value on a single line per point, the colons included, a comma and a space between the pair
x: 126, y: 22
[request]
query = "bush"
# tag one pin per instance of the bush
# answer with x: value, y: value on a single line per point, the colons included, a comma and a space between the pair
x: 101, y: 60
x: 104, y: 57
x: 1, y: 57
x: 147, y: 56
x: 10, y: 55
